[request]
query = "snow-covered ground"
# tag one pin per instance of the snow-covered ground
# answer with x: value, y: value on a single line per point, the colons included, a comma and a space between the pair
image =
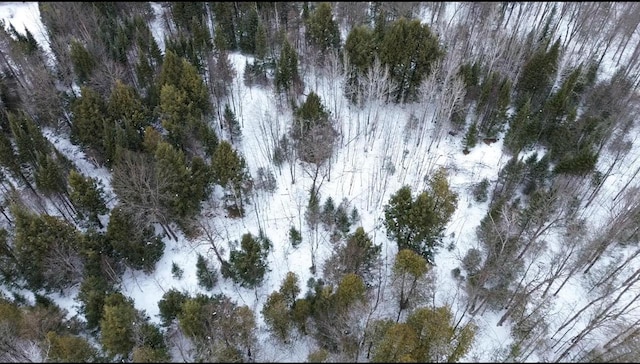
x: 359, y: 172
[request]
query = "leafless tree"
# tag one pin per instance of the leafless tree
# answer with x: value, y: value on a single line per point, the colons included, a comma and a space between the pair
x: 141, y: 189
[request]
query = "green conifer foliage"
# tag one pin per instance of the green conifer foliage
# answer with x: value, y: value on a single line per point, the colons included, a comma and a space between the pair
x: 287, y: 77
x: 87, y: 196
x: 138, y: 246
x: 117, y: 325
x: 88, y: 115
x: 248, y: 265
x: 322, y: 31
x: 82, y: 60
x: 418, y: 224
x: 409, y: 49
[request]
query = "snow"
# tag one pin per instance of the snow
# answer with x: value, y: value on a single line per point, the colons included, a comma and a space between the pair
x: 368, y: 146
x: 25, y: 15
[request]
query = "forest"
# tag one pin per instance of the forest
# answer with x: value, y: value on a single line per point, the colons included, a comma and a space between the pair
x: 319, y: 182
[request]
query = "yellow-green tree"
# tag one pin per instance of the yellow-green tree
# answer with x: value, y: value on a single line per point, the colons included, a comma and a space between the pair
x: 69, y: 349
x: 429, y: 335
x: 439, y: 340
x: 409, y: 278
x: 418, y: 224
x: 117, y: 325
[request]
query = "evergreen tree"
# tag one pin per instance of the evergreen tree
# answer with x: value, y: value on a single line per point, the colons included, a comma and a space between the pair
x: 172, y: 168
x: 228, y: 169
x: 522, y: 130
x: 471, y: 137
x: 88, y: 114
x: 429, y: 335
x: 232, y: 123
x: 359, y: 256
x: 87, y: 196
x: 409, y: 49
x: 41, y: 245
x: 117, y: 325
x: 418, y: 224
x: 83, y: 61
x: 50, y: 176
x: 225, y: 31
x: 295, y: 238
x: 287, y: 77
x: 126, y: 109
x: 261, y: 42
x: 537, y: 76
x: 248, y: 265
x: 207, y: 277
x: 138, y: 246
x: 247, y: 29
x: 31, y: 144
x: 170, y: 305
x: 409, y: 268
x: 175, y: 117
x: 277, y: 316
x: 70, y: 349
x: 93, y: 291
x: 221, y: 330
x: 322, y: 31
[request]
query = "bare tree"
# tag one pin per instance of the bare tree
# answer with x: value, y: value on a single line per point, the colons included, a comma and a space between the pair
x: 142, y: 190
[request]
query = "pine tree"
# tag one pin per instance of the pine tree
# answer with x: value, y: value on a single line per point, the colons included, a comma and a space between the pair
x: 228, y: 169
x: 418, y: 224
x: 126, y: 109
x: 232, y: 123
x: 277, y: 317
x: 88, y: 115
x: 225, y: 30
x: 87, y: 196
x: 93, y: 291
x: 322, y: 31
x: 83, y: 61
x: 359, y: 256
x: 409, y: 268
x: 175, y: 116
x: 117, y: 325
x: 439, y: 338
x: 247, y: 29
x: 172, y: 168
x: 287, y: 77
x: 537, y: 76
x: 409, y: 49
x: 247, y: 265
x: 41, y: 242
x: 471, y: 137
x: 396, y: 345
x: 170, y: 305
x: 261, y: 42
x: 31, y: 144
x: 138, y: 246
x: 207, y: 277
x: 70, y: 348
